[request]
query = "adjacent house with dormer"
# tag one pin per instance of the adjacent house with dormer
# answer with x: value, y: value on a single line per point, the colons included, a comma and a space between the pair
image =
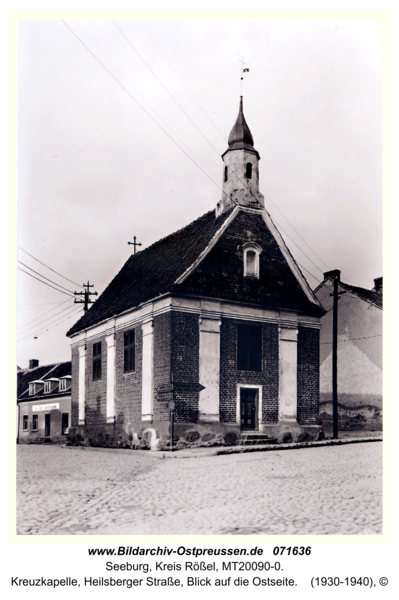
x: 43, y: 402
x: 213, y: 325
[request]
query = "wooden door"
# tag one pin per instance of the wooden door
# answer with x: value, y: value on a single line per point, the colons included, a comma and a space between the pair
x: 248, y: 398
x: 65, y: 423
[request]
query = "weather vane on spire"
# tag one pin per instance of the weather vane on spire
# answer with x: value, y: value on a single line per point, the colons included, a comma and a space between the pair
x: 243, y: 70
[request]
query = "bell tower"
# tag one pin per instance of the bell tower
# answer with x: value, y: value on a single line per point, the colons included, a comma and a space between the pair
x: 241, y: 169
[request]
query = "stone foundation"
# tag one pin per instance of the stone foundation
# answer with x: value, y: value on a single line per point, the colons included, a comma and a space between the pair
x: 156, y: 435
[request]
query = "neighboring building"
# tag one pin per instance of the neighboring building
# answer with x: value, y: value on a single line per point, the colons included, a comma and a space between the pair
x: 217, y: 316
x: 359, y: 354
x: 44, y: 402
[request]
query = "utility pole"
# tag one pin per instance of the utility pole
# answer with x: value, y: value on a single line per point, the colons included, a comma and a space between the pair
x: 86, y: 295
x: 134, y: 244
x: 336, y: 275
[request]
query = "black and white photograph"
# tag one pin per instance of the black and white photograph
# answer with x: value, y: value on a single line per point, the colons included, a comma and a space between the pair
x: 200, y: 276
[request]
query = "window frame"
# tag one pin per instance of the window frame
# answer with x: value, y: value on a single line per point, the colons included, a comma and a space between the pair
x: 25, y: 422
x: 63, y: 385
x: 249, y: 357
x: 129, y: 351
x: 97, y: 361
x: 251, y: 247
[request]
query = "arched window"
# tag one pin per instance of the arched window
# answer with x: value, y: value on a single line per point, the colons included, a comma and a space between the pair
x: 251, y: 260
x: 248, y: 171
x: 226, y: 173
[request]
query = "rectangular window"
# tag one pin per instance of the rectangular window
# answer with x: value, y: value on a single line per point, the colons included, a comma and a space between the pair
x: 63, y: 385
x: 97, y: 361
x: 35, y: 422
x: 25, y: 425
x: 249, y: 348
x: 129, y: 351
x: 47, y: 387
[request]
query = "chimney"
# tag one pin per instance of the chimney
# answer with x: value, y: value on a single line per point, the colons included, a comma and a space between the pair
x: 377, y: 285
x: 335, y: 274
x: 33, y: 363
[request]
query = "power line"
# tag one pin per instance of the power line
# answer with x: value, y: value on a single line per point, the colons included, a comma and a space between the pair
x: 40, y: 316
x: 137, y: 102
x: 49, y: 324
x: 182, y: 81
x: 366, y: 337
x: 34, y: 327
x: 155, y: 112
x: 55, y: 283
x: 42, y: 263
x: 166, y: 89
x: 41, y: 281
x: 297, y: 232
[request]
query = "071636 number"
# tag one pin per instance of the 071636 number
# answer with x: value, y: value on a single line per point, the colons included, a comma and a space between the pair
x: 294, y: 550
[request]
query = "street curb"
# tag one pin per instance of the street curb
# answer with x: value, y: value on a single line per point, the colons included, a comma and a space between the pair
x: 220, y: 451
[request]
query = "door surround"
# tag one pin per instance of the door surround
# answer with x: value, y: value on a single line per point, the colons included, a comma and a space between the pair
x: 241, y: 386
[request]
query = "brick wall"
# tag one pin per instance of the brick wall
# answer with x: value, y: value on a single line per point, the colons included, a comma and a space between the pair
x: 96, y: 401
x: 230, y: 376
x: 308, y: 376
x: 128, y: 386
x: 162, y: 361
x: 75, y: 388
x: 185, y: 362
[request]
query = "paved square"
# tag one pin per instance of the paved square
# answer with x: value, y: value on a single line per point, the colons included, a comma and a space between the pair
x: 326, y: 490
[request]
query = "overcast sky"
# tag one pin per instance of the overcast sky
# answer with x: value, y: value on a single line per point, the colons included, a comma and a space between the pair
x: 133, y: 146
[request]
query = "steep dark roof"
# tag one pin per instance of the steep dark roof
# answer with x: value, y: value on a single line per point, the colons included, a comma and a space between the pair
x: 154, y: 271
x: 151, y: 272
x: 220, y: 273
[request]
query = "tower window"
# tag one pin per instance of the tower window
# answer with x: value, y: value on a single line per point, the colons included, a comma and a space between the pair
x: 226, y: 173
x: 248, y: 171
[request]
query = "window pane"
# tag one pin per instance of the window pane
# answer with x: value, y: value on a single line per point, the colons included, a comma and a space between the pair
x: 251, y: 261
x: 129, y: 351
x: 249, y: 348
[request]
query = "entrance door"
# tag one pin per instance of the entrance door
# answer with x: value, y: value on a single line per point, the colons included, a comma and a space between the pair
x: 46, y: 425
x: 65, y: 423
x: 248, y: 401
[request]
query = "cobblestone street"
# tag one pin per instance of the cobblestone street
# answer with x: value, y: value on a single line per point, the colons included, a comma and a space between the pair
x: 325, y: 490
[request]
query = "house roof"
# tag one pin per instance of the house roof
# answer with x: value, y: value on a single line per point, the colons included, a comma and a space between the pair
x: 41, y: 373
x: 371, y: 296
x: 368, y: 295
x: 195, y: 261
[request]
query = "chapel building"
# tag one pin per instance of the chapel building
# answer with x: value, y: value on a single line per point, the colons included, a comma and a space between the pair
x: 216, y: 318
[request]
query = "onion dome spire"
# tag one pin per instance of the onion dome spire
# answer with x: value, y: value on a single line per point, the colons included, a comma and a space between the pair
x: 240, y: 136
